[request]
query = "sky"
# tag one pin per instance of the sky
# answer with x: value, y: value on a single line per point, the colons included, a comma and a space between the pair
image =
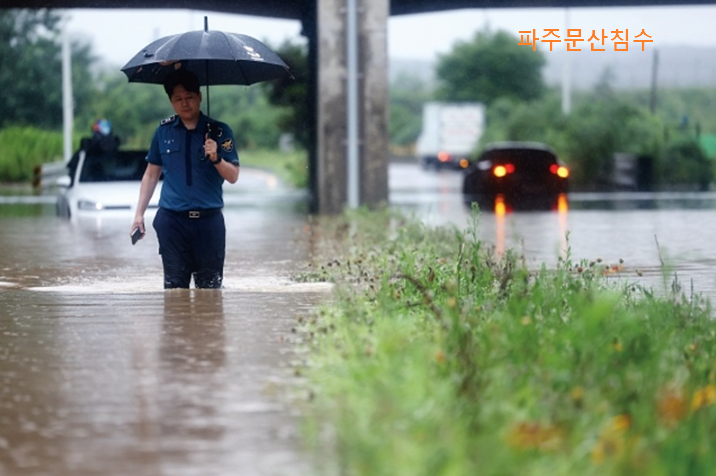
x: 117, y: 35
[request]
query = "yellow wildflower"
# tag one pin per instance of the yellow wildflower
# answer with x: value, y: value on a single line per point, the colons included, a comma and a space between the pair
x: 611, y: 441
x: 703, y: 397
x: 672, y: 407
x: 529, y: 435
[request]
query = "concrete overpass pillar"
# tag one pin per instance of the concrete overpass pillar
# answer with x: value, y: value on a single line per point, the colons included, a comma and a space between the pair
x: 329, y: 163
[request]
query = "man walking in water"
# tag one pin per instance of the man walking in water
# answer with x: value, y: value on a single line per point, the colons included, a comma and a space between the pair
x: 196, y: 155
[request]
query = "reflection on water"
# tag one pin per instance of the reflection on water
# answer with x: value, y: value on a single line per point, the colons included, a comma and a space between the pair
x: 103, y: 372
x: 8, y: 210
x: 500, y: 212
x: 559, y: 205
x: 504, y: 203
x: 193, y: 333
x: 643, y: 229
x: 644, y: 201
x: 192, y: 355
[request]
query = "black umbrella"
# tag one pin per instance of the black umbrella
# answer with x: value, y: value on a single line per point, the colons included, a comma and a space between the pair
x: 216, y: 57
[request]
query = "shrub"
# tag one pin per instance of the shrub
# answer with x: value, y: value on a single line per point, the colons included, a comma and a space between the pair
x: 24, y: 148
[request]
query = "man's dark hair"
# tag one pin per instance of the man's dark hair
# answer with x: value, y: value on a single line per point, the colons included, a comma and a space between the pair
x: 189, y: 80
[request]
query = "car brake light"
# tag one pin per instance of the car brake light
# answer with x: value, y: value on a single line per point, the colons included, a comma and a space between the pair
x: 502, y: 170
x: 443, y: 156
x: 559, y: 170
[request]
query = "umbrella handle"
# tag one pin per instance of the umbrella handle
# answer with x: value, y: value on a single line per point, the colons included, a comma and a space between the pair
x: 211, y: 130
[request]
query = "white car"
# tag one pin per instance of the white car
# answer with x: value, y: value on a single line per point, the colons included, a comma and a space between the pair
x: 104, y: 184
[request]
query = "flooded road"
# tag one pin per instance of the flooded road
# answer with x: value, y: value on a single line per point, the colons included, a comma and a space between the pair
x: 644, y: 230
x: 104, y: 373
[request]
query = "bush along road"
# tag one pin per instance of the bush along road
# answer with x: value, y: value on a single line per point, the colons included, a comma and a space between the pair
x: 438, y: 357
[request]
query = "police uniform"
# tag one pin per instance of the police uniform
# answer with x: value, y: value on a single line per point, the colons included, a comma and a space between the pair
x: 189, y: 224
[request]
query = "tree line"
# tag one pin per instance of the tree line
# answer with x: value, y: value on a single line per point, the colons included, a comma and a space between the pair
x: 490, y: 68
x: 493, y: 69
x: 31, y: 93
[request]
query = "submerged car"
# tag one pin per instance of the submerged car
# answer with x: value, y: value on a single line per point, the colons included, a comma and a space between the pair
x: 521, y: 174
x: 103, y: 183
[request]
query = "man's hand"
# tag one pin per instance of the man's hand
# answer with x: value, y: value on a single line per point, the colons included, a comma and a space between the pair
x: 210, y: 148
x: 138, y: 223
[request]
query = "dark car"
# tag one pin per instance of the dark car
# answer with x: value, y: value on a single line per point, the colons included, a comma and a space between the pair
x: 520, y: 174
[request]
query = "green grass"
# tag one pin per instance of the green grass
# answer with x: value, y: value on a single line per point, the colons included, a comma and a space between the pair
x: 24, y: 148
x: 438, y: 357
x: 290, y: 167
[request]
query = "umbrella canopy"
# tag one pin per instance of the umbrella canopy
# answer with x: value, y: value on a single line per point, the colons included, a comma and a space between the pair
x: 216, y: 57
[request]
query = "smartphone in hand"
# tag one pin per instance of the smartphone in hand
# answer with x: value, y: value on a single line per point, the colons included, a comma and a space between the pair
x: 136, y: 235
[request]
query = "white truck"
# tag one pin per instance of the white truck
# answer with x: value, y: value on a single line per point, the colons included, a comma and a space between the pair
x: 450, y: 133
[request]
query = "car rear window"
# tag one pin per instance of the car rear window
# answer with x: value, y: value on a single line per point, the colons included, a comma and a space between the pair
x: 519, y: 157
x: 115, y: 166
x: 525, y: 161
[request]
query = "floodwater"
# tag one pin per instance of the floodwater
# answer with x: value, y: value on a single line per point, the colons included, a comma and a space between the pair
x: 658, y: 236
x: 102, y: 372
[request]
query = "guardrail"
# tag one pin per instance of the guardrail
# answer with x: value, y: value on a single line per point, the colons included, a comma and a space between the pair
x: 46, y: 175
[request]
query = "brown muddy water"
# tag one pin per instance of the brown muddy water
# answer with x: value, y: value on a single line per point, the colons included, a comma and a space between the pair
x: 104, y: 373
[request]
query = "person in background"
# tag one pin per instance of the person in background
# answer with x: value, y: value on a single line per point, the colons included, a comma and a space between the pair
x: 103, y: 141
x: 196, y: 155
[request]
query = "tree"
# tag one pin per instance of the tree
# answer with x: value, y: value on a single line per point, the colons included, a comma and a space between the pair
x: 687, y: 163
x: 134, y: 109
x: 511, y: 120
x: 31, y: 69
x: 597, y: 129
x: 292, y: 93
x: 407, y: 95
x: 28, y: 51
x: 491, y: 66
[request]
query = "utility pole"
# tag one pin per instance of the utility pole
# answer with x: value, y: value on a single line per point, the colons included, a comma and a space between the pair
x: 654, y: 70
x: 566, y: 74
x: 67, y: 101
x: 353, y: 116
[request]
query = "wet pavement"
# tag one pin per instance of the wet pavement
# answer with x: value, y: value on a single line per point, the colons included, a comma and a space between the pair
x: 176, y: 383
x: 104, y: 373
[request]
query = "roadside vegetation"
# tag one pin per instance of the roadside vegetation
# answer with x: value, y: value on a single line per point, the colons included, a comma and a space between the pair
x: 437, y: 356
x: 31, y: 125
x: 491, y: 68
x: 24, y: 148
x: 671, y: 134
x: 290, y: 167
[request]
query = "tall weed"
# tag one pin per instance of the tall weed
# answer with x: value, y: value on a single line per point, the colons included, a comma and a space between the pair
x: 24, y: 148
x: 439, y: 357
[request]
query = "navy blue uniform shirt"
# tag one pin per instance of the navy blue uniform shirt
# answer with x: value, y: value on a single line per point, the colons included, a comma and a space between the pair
x: 191, y: 182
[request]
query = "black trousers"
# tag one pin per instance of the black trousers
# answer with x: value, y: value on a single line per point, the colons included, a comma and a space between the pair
x: 191, y: 246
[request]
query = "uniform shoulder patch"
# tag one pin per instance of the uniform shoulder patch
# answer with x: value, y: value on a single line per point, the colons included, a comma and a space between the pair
x: 227, y: 145
x: 168, y: 120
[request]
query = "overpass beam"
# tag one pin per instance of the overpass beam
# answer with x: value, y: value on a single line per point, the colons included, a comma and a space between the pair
x: 330, y: 156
